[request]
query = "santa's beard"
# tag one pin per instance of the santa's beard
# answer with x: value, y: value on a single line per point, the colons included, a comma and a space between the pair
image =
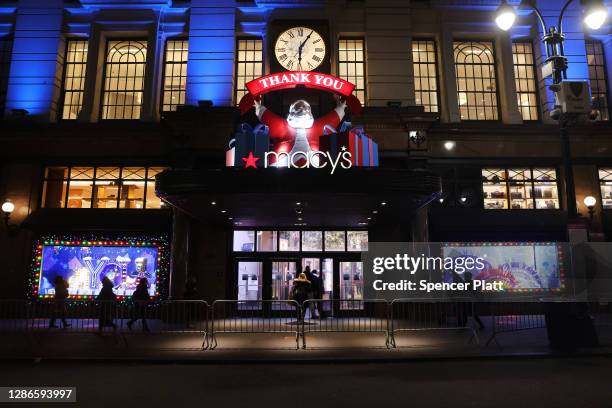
x: 300, y: 121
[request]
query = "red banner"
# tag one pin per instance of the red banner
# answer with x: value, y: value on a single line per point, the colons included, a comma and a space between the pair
x: 291, y: 79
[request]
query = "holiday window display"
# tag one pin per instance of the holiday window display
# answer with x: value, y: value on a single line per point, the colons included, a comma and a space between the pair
x: 84, y: 261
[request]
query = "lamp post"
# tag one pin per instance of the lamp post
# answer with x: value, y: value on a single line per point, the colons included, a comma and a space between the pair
x: 595, y: 14
x: 7, y: 209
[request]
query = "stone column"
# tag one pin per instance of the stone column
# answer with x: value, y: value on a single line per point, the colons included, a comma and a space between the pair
x: 37, y: 56
x: 211, y: 52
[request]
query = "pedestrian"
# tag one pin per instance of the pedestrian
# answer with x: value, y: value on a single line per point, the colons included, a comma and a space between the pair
x: 59, y: 302
x: 140, y: 297
x: 106, y: 302
x: 310, y: 277
x: 299, y: 293
x: 467, y: 278
x: 317, y: 292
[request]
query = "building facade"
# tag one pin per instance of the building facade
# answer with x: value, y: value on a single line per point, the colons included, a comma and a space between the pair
x: 117, y: 116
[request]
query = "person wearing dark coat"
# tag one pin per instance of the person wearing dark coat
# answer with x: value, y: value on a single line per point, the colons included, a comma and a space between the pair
x: 140, y: 297
x: 317, y: 293
x: 59, y: 304
x: 106, y: 302
x: 300, y: 292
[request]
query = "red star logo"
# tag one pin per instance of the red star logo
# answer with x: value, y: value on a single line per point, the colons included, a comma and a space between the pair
x: 250, y: 161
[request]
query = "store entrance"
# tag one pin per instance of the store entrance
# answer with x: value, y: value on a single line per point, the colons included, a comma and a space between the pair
x: 272, y: 278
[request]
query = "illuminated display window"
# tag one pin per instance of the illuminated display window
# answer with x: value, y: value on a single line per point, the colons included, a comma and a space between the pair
x: 525, y: 79
x: 299, y: 241
x: 520, y: 188
x: 598, y: 78
x: 249, y: 64
x: 124, y: 74
x: 351, y: 64
x: 5, y: 66
x: 476, y: 81
x: 101, y: 187
x: 75, y: 66
x: 335, y: 241
x: 175, y: 74
x: 425, y: 74
x: 605, y: 183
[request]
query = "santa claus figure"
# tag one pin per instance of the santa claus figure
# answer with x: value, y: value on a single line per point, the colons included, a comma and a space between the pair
x: 300, y: 132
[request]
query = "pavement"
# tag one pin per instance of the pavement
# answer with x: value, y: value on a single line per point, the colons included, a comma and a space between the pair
x: 60, y: 344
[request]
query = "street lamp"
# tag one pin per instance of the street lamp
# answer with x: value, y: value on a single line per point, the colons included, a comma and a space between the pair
x: 589, y: 202
x: 7, y: 209
x: 595, y: 14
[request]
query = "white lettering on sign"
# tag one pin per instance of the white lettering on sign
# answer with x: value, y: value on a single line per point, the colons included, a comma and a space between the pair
x: 314, y: 158
x: 302, y: 78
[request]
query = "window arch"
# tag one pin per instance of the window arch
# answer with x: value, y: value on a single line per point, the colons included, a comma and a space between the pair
x: 124, y: 79
x: 476, y: 80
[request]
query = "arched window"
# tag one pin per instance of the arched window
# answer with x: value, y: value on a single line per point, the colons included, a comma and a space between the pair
x: 476, y: 82
x: 124, y: 79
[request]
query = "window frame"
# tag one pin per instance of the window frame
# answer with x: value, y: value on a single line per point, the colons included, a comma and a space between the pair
x: 495, y: 69
x: 528, y: 182
x: 104, y: 71
x: 600, y: 182
x: 93, y: 180
x: 318, y: 253
x: 605, y: 77
x: 538, y: 105
x: 237, y: 63
x: 163, y: 76
x: 364, y: 62
x: 436, y: 67
x: 62, y: 101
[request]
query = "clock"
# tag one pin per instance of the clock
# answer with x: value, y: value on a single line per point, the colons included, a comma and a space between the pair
x: 300, y: 49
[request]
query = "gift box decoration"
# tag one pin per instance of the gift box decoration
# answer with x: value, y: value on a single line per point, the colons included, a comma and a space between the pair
x: 368, y: 149
x: 248, y: 140
x: 333, y: 141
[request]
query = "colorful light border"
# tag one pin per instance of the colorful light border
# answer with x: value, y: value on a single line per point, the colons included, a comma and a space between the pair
x: 560, y: 257
x: 161, y: 242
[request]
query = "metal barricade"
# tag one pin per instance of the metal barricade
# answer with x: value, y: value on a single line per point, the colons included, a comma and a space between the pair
x: 14, y: 315
x: 185, y: 317
x: 345, y: 316
x: 254, y: 316
x: 515, y: 316
x: 422, y: 314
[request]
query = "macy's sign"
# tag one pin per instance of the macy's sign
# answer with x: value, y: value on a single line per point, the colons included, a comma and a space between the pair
x: 302, y: 160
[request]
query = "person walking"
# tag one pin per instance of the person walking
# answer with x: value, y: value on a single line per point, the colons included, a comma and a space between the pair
x: 299, y: 293
x: 106, y: 302
x: 467, y: 278
x: 310, y: 277
x: 59, y: 302
x: 140, y: 297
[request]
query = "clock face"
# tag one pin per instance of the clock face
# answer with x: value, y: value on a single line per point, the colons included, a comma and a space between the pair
x: 300, y: 49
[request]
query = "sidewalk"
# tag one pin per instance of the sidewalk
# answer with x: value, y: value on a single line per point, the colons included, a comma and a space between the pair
x: 441, y: 344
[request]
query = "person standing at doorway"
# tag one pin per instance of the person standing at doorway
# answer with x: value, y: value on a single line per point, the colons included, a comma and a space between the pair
x: 310, y: 277
x: 317, y: 294
x: 299, y: 293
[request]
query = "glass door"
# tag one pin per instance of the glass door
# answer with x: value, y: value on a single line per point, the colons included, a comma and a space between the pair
x: 283, y: 274
x: 351, y: 285
x: 249, y: 288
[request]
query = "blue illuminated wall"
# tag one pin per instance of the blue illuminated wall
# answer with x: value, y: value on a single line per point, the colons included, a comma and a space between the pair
x: 34, y: 80
x: 211, y: 51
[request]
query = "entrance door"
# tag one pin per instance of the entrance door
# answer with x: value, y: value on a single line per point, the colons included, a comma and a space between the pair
x: 351, y: 285
x: 283, y: 274
x: 250, y: 274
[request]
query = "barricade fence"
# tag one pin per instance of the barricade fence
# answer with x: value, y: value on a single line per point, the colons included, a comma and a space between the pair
x: 345, y: 316
x: 410, y: 315
x: 255, y: 316
x: 197, y: 317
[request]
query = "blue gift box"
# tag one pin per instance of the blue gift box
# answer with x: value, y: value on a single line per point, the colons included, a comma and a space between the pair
x: 248, y: 140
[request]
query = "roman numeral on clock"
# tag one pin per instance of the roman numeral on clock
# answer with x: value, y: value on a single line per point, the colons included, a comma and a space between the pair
x: 282, y: 57
x: 300, y: 32
x: 316, y: 58
x: 290, y: 64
